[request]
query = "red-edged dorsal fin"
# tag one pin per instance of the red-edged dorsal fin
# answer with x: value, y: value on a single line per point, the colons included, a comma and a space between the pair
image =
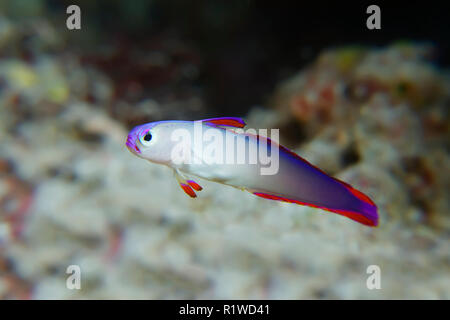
x: 226, y: 122
x: 288, y: 151
x: 292, y: 153
x: 361, y: 196
x: 356, y: 216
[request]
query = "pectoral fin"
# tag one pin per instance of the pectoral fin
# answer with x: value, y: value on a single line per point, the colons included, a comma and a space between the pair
x: 194, y: 185
x: 188, y: 186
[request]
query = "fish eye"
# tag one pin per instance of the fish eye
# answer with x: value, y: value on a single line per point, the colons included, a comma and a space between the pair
x: 145, y: 140
x: 148, y: 136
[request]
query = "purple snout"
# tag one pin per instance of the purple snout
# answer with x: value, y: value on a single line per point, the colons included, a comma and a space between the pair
x: 131, y: 145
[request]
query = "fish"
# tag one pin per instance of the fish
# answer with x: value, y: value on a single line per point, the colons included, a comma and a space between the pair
x: 188, y: 148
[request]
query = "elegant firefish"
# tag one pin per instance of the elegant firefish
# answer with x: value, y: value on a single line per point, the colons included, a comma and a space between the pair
x: 219, y: 150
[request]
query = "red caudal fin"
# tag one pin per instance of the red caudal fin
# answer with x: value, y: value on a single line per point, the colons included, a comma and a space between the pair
x: 368, y: 215
x: 226, y: 122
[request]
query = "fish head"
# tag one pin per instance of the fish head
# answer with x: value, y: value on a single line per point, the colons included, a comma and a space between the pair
x: 152, y: 141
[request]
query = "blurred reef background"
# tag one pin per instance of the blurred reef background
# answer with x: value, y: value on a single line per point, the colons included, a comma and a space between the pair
x: 369, y: 107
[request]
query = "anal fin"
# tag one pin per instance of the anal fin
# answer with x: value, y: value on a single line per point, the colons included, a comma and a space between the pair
x: 356, y: 216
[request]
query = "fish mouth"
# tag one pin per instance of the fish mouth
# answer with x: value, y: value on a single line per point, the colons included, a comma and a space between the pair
x: 132, y: 146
